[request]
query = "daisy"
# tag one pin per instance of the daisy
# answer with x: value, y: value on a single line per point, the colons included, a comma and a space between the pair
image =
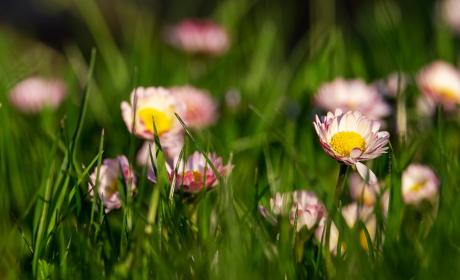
x: 451, y: 13
x: 360, y: 191
x: 108, y: 181
x: 351, y: 138
x: 352, y: 95
x: 309, y: 208
x: 191, y: 176
x: 351, y: 215
x: 198, y: 36
x: 418, y: 182
x: 440, y: 82
x: 36, y: 93
x: 201, y: 108
x: 153, y: 103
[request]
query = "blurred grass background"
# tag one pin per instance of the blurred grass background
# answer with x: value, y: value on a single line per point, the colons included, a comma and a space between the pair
x: 281, y: 52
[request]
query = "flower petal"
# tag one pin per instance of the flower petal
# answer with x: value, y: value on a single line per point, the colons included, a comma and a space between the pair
x: 367, y: 174
x: 356, y: 152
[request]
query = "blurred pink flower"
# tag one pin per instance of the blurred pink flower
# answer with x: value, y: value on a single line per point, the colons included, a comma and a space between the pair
x: 154, y: 102
x: 360, y: 191
x: 352, y: 95
x: 201, y: 108
x: 191, y: 176
x: 36, y: 93
x: 440, y: 82
x: 351, y: 215
x: 450, y: 10
x: 389, y: 85
x: 199, y: 36
x: 310, y: 209
x: 418, y: 182
x: 108, y: 181
x: 351, y: 138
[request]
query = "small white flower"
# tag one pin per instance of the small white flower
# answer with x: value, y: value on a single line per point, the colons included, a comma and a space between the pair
x: 418, y: 182
x: 351, y: 213
x: 310, y: 210
x: 351, y: 138
x: 36, y: 93
x: 201, y: 108
x: 153, y: 103
x: 440, y: 83
x: 352, y: 95
x: 108, y: 181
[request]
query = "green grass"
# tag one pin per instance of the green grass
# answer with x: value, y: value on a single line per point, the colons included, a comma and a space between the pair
x: 52, y: 229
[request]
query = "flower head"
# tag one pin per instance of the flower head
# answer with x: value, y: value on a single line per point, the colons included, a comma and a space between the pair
x: 201, y: 108
x: 191, y: 176
x: 440, y: 82
x: 310, y: 210
x: 360, y: 191
x: 153, y: 104
x: 352, y: 95
x: 108, y: 181
x: 36, y: 93
x: 199, y: 36
x: 451, y: 13
x: 418, y: 182
x: 351, y: 138
x: 351, y: 213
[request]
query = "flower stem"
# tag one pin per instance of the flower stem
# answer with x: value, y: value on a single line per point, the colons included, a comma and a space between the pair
x: 338, y: 192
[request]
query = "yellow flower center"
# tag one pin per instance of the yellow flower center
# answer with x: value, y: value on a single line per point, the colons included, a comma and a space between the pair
x: 112, y: 188
x: 196, y: 175
x: 416, y: 187
x: 162, y: 122
x: 345, y: 141
x: 447, y: 94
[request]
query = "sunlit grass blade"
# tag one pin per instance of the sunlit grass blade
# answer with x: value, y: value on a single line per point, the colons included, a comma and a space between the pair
x: 29, y: 245
x: 219, y: 178
x: 83, y: 175
x: 294, y: 232
x: 83, y: 106
x: 43, y: 221
x: 173, y: 182
x: 268, y: 162
x: 96, y: 185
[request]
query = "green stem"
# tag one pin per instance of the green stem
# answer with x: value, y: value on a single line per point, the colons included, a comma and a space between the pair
x: 338, y: 192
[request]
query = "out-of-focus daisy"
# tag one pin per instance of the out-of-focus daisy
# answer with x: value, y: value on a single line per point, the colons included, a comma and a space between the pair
x: 440, y: 82
x: 418, y: 182
x: 191, y: 176
x: 153, y: 103
x: 198, y: 36
x: 352, y: 95
x: 36, y: 93
x: 171, y: 145
x: 310, y: 209
x: 351, y: 215
x: 360, y: 191
x: 108, y: 181
x: 450, y: 10
x: 351, y: 138
x: 201, y: 108
x: 389, y: 86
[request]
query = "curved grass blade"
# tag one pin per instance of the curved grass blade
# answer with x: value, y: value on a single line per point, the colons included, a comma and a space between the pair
x: 43, y: 220
x: 72, y: 192
x: 219, y: 178
x: 96, y: 186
